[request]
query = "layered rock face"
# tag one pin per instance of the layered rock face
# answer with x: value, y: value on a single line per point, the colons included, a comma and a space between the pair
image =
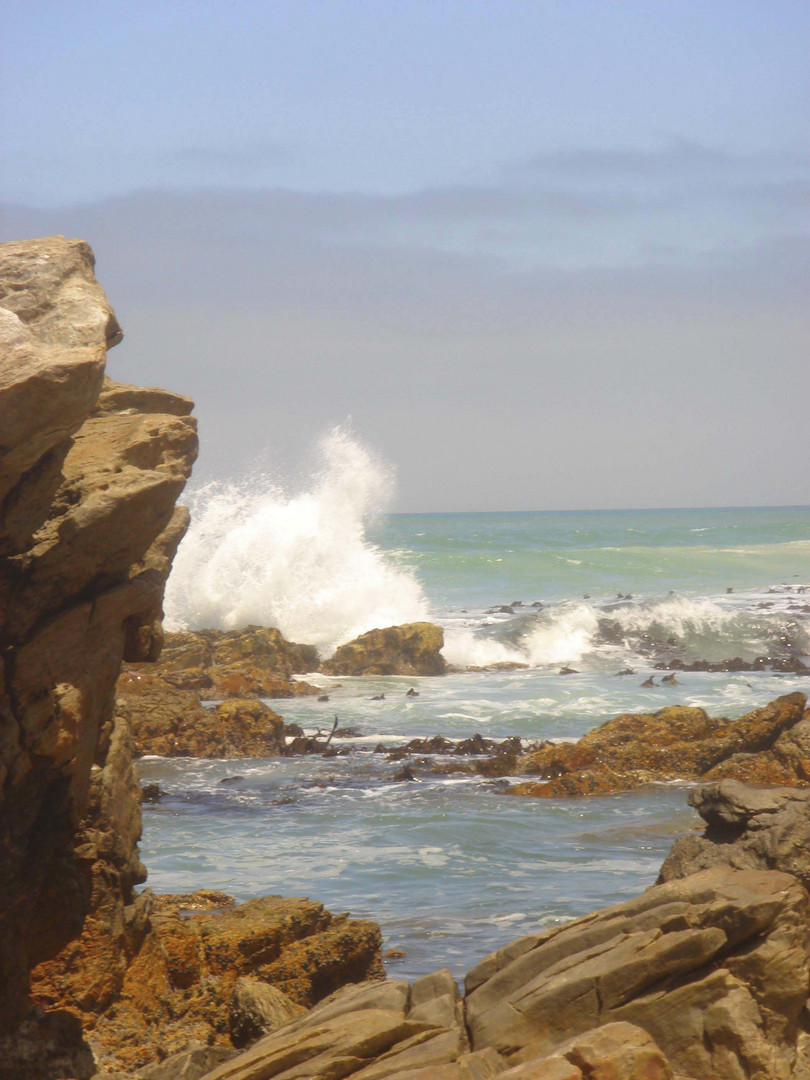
x: 89, y: 475
x: 703, y: 977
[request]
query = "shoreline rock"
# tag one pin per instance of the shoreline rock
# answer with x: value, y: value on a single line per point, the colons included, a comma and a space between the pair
x: 88, y: 529
x: 255, y: 661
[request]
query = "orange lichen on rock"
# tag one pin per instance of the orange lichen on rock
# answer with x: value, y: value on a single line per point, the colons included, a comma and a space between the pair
x: 767, y: 745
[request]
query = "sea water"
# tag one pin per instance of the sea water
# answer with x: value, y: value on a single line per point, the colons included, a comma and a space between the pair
x: 452, y: 866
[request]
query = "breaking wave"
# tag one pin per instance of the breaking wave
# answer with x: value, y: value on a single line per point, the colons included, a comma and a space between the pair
x: 600, y: 637
x: 301, y: 562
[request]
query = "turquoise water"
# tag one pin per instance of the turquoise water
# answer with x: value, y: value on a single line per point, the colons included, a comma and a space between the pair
x: 494, y: 558
x: 451, y: 866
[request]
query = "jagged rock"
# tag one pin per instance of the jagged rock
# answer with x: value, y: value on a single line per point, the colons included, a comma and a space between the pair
x: 253, y: 662
x: 171, y: 722
x: 714, y: 967
x: 184, y: 979
x: 676, y: 742
x: 746, y: 828
x: 88, y: 529
x: 410, y: 649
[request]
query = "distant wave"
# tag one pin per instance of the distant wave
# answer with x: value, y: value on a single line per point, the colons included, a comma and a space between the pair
x: 300, y: 562
x: 601, y: 637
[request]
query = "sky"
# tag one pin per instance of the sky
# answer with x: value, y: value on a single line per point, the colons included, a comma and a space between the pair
x: 540, y: 255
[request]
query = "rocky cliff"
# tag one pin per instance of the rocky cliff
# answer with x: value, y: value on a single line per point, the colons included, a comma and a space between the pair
x: 90, y: 471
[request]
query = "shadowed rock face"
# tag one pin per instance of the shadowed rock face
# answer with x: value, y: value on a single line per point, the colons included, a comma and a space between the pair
x: 89, y: 475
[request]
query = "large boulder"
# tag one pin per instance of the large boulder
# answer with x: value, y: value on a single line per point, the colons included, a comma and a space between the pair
x: 674, y: 743
x: 410, y: 649
x: 714, y: 967
x: 746, y: 828
x: 89, y: 476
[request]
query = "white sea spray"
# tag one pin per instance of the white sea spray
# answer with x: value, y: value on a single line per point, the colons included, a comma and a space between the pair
x: 300, y: 562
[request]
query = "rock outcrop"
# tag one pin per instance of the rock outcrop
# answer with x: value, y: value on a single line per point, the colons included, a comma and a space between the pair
x: 171, y: 722
x: 746, y: 828
x: 256, y: 661
x: 219, y: 977
x: 714, y: 967
x: 89, y: 475
x: 676, y: 743
x: 410, y: 649
x: 368, y: 1032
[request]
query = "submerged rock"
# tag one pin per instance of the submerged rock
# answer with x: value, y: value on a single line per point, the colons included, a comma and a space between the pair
x: 410, y: 649
x: 675, y: 743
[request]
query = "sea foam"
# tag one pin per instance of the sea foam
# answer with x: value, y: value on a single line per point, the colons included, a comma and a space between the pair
x: 301, y: 562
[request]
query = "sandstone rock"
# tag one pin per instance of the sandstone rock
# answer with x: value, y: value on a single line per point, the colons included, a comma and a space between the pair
x: 55, y: 327
x: 617, y: 1051
x: 482, y: 1065
x: 714, y: 967
x: 368, y: 1032
x: 171, y: 722
x: 676, y: 742
x: 188, y: 1064
x: 746, y: 828
x: 410, y: 649
x: 88, y: 528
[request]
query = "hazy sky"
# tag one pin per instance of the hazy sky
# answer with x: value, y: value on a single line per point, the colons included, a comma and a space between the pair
x: 545, y: 254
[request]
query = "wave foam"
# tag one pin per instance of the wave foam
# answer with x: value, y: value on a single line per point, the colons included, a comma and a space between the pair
x: 302, y: 563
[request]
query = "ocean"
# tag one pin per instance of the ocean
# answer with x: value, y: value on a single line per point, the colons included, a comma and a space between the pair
x: 451, y: 866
